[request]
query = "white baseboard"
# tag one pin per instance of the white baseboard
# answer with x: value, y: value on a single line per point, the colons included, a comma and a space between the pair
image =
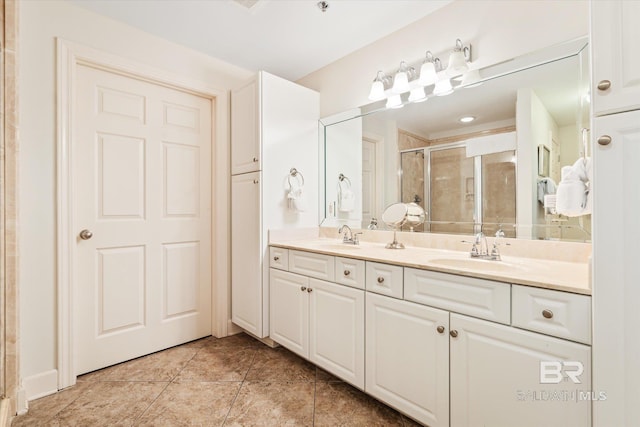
x: 40, y: 385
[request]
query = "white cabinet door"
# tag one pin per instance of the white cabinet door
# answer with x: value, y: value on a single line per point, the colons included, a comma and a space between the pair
x: 407, y: 353
x: 496, y: 377
x: 336, y: 330
x: 289, y: 311
x: 245, y: 128
x: 246, y: 253
x: 615, y: 43
x: 616, y: 271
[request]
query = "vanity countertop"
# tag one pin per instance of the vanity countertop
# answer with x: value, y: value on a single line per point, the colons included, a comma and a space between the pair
x: 541, y: 273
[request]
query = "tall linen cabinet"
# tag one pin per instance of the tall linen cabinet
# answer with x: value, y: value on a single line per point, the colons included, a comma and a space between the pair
x: 615, y: 44
x: 274, y: 128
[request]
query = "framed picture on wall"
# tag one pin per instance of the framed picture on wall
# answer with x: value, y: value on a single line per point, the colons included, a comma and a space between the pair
x: 544, y: 156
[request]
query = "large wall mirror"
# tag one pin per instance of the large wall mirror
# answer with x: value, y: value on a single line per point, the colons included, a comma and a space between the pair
x: 470, y: 159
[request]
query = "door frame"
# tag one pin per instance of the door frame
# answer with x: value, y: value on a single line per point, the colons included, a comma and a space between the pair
x: 69, y: 56
x: 378, y: 142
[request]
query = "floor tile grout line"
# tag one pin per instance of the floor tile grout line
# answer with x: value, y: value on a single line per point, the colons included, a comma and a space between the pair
x: 240, y: 388
x: 139, y: 417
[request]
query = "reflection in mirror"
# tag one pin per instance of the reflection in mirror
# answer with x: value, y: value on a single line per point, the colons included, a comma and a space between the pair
x: 394, y: 217
x: 470, y: 159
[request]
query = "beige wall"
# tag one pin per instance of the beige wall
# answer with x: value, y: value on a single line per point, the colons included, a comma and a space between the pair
x: 498, y: 30
x: 41, y: 21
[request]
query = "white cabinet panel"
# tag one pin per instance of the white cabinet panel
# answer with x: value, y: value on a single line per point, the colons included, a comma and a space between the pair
x: 476, y: 297
x: 407, y: 358
x: 616, y: 271
x: 311, y: 264
x: 279, y: 258
x: 246, y: 253
x: 289, y: 313
x: 350, y: 272
x: 245, y: 126
x: 384, y: 279
x: 336, y: 323
x: 615, y: 43
x: 561, y: 314
x: 496, y: 380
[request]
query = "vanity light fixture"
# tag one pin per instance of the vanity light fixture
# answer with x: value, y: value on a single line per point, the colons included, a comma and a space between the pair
x: 401, y: 79
x: 471, y: 79
x: 378, y: 86
x: 417, y: 94
x: 466, y: 119
x: 458, y: 59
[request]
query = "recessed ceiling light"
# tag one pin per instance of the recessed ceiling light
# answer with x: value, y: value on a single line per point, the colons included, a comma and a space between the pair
x: 466, y: 119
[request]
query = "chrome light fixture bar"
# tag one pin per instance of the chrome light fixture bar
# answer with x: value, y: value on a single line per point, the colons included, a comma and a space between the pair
x: 432, y: 72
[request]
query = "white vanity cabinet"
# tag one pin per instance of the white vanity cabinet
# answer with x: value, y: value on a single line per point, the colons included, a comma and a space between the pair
x: 407, y: 358
x: 615, y: 43
x: 319, y: 320
x: 274, y: 128
x: 496, y: 377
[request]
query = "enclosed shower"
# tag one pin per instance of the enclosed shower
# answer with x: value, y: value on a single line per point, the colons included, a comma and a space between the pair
x: 463, y: 194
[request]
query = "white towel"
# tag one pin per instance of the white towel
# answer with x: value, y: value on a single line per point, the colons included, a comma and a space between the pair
x: 573, y: 196
x: 295, y: 200
x: 545, y: 186
x: 346, y: 200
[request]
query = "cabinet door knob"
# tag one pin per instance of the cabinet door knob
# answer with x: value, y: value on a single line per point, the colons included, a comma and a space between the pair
x: 440, y: 329
x: 347, y: 272
x: 276, y: 258
x: 604, y: 140
x: 380, y: 279
x: 547, y: 314
x: 303, y: 288
x: 255, y: 181
x: 453, y: 333
x: 309, y: 290
x: 604, y: 84
x: 86, y: 234
x: 255, y: 160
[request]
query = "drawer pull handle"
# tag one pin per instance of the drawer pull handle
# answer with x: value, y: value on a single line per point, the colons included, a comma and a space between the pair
x: 604, y: 140
x: 303, y: 288
x: 604, y: 84
x: 440, y: 329
x: 347, y: 272
x: 547, y: 314
x: 453, y: 333
x: 276, y: 258
x: 380, y: 279
x: 309, y: 290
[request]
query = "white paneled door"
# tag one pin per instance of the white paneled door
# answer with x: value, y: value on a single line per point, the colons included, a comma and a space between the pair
x: 141, y: 168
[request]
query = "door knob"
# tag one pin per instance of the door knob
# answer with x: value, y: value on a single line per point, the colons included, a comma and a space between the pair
x: 604, y: 84
x: 453, y: 333
x: 604, y: 140
x: 86, y: 234
x: 547, y: 314
x: 276, y: 258
x: 303, y: 288
x: 347, y: 272
x: 440, y: 329
x: 380, y: 279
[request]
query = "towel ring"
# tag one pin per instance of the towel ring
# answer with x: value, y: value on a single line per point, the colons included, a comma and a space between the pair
x: 293, y: 172
x: 342, y: 178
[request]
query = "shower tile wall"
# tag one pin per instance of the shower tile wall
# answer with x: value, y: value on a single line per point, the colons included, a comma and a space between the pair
x: 412, y: 163
x: 498, y: 193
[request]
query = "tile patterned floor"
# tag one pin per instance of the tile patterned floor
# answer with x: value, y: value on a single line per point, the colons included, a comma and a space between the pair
x: 233, y: 381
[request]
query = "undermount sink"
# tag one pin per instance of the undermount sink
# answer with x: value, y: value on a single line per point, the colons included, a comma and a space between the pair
x: 475, y: 264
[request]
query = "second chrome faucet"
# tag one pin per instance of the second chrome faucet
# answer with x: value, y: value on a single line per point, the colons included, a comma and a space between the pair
x: 349, y: 237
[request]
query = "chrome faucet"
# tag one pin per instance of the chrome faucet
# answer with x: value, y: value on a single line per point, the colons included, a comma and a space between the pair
x: 351, y: 238
x: 480, y: 248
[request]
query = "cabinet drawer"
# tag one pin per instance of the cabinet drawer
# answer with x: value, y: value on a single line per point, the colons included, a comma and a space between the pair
x: 350, y: 272
x: 279, y: 258
x: 561, y: 314
x: 481, y: 298
x: 312, y: 265
x: 384, y: 279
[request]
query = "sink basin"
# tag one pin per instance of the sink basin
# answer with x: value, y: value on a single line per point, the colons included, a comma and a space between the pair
x: 476, y: 264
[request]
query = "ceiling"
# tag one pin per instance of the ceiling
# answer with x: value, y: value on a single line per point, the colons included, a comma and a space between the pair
x: 289, y: 38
